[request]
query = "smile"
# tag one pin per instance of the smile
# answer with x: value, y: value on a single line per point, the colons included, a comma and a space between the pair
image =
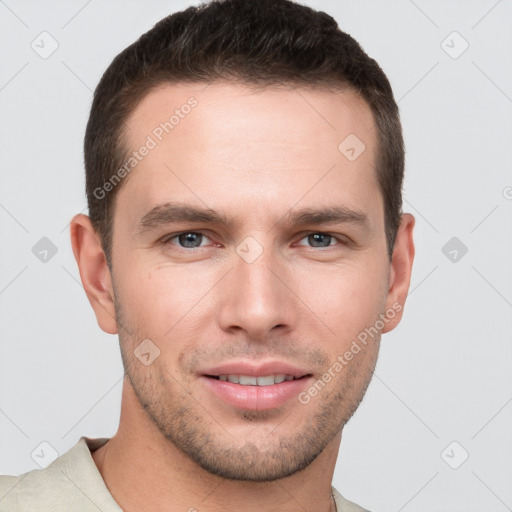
x: 250, y: 380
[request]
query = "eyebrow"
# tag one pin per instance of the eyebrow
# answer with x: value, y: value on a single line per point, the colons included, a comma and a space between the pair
x: 169, y: 213
x: 327, y: 215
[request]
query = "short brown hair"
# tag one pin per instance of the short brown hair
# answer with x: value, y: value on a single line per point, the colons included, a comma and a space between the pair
x: 259, y: 42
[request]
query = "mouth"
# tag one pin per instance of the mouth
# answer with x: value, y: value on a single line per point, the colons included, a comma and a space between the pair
x: 261, y: 380
x: 255, y: 387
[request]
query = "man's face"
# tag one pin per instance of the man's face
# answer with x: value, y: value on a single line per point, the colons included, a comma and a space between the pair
x: 265, y: 288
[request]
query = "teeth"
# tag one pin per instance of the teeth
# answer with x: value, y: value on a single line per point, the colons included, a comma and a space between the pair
x: 248, y: 381
x: 265, y: 380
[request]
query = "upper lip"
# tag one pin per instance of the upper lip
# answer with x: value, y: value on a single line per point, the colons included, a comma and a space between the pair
x: 253, y: 369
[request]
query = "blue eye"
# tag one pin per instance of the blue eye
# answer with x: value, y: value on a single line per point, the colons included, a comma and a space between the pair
x: 319, y: 239
x: 194, y: 240
x: 190, y: 240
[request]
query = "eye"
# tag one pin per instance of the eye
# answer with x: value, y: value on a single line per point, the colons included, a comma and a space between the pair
x: 194, y: 240
x: 186, y: 240
x: 320, y: 240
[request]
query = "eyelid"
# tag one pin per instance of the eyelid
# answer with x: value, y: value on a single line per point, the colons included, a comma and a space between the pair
x: 167, y: 238
x: 341, y: 239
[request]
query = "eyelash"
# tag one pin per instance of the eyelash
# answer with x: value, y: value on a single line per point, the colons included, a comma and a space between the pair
x: 167, y: 240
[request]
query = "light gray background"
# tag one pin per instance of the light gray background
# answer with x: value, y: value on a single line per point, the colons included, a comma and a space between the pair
x: 444, y: 375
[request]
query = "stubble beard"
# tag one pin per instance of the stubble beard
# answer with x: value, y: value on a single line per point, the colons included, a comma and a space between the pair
x: 280, y: 453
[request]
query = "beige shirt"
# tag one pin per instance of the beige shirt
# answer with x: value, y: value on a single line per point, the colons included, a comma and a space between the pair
x: 72, y: 483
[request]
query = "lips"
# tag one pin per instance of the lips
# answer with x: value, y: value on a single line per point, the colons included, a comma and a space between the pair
x: 261, y: 380
x: 250, y: 386
x: 253, y: 369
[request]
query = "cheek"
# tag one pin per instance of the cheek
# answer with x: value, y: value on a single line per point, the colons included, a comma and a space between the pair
x: 160, y: 301
x: 144, y: 294
x: 347, y: 298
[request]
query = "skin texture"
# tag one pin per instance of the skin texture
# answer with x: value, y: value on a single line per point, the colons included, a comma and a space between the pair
x: 254, y: 158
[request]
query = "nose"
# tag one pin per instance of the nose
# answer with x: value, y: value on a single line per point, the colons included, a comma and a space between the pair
x: 257, y: 297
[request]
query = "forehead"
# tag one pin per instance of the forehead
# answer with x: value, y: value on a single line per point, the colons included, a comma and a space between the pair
x: 226, y: 145
x: 240, y: 111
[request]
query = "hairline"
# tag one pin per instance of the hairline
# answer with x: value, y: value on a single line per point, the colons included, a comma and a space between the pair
x: 336, y: 85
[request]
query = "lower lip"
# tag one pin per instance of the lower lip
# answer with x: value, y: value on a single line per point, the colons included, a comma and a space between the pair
x: 256, y: 398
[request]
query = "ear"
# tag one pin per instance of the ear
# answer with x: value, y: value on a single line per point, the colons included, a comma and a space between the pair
x: 400, y: 272
x: 94, y: 271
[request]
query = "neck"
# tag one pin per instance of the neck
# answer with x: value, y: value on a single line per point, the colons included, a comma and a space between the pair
x: 144, y: 471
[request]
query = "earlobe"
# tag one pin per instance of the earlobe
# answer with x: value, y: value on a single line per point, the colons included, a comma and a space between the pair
x: 94, y: 271
x: 400, y: 271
